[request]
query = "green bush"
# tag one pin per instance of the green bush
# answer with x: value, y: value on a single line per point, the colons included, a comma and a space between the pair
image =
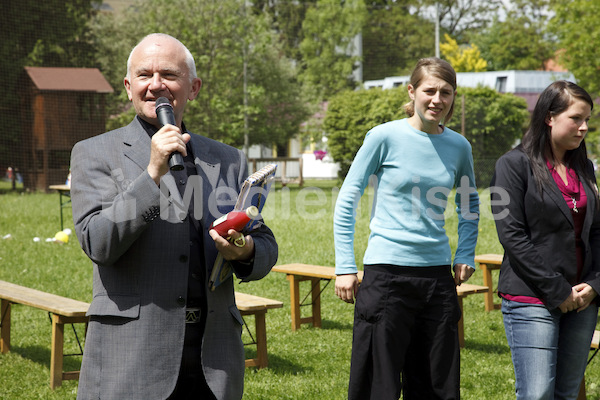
x: 493, y: 122
x: 350, y: 115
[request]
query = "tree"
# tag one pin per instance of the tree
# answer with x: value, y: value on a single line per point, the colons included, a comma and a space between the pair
x: 287, y: 18
x: 492, y: 123
x: 351, y: 114
x: 463, y: 59
x: 391, y: 43
x: 519, y: 41
x: 247, y: 86
x: 328, y: 48
x: 577, y: 27
x: 462, y: 18
x: 50, y: 33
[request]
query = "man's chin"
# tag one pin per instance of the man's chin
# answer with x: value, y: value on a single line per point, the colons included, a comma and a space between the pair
x: 151, y: 120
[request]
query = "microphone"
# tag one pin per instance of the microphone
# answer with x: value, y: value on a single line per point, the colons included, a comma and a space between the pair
x: 164, y: 112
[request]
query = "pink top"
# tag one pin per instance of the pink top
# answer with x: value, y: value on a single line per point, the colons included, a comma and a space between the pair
x: 576, y: 199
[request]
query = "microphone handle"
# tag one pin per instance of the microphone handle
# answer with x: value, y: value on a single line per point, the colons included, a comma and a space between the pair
x: 165, y: 116
x: 175, y: 161
x: 164, y: 112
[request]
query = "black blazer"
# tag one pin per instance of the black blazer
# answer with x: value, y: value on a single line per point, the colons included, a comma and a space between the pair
x: 537, y: 234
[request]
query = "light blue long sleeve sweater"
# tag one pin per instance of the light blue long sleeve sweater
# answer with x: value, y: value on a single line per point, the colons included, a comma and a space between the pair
x: 415, y: 174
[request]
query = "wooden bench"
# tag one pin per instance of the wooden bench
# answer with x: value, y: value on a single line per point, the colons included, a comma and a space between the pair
x: 488, y: 263
x: 296, y: 273
x: 63, y: 311
x: 258, y: 306
x: 68, y: 311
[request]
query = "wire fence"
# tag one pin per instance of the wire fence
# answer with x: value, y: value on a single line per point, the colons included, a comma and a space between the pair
x: 484, y: 171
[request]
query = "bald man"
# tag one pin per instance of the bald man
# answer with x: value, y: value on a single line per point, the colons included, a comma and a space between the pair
x: 156, y: 330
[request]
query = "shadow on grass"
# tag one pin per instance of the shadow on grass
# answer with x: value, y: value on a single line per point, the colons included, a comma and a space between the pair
x: 37, y: 354
x: 336, y: 325
x: 9, y: 191
x: 277, y: 365
x: 41, y: 355
x: 486, y: 347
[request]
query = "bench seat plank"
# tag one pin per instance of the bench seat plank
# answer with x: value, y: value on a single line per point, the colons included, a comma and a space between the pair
x: 314, y: 271
x: 42, y: 300
x: 248, y: 302
x: 489, y: 258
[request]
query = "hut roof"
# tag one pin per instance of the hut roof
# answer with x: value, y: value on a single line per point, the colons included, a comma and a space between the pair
x: 69, y: 79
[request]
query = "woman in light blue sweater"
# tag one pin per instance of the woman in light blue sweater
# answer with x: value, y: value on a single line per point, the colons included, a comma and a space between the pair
x: 406, y: 315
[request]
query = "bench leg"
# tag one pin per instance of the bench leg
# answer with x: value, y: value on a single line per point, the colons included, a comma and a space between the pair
x: 56, y: 352
x: 295, y: 301
x: 316, y: 301
x: 261, y: 339
x: 461, y: 329
x: 487, y: 281
x: 4, y: 326
x: 315, y: 288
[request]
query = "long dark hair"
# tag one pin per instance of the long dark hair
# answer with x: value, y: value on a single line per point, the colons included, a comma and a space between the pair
x: 554, y: 100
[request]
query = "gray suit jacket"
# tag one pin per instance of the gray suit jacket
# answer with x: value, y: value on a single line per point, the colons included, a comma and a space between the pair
x: 137, y: 236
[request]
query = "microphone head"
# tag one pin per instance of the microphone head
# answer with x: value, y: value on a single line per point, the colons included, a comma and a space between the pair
x: 164, y: 111
x: 162, y: 102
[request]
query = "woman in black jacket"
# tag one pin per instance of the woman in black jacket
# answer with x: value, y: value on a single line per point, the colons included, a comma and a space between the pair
x: 545, y: 202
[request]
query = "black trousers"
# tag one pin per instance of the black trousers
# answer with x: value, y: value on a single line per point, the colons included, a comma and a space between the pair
x: 191, y: 383
x: 405, y: 336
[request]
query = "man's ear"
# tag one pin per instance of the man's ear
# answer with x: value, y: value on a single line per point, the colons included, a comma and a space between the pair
x: 196, y: 85
x: 127, y: 87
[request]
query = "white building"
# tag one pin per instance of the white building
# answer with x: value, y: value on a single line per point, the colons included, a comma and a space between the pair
x: 525, y: 84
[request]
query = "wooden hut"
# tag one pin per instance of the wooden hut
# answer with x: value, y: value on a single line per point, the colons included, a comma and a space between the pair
x: 60, y: 106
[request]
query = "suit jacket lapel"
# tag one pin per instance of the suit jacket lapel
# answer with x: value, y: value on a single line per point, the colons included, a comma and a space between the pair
x: 137, y: 144
x: 207, y: 166
x: 556, y: 195
x: 590, y: 207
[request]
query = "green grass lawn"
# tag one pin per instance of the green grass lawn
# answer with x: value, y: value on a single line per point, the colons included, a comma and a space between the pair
x: 306, y: 364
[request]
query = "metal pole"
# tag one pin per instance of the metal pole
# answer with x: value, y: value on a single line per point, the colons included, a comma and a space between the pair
x: 437, y: 30
x: 245, y: 74
x: 246, y: 135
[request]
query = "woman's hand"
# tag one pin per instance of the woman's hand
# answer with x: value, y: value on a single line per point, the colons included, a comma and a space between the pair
x: 346, y: 287
x: 586, y: 294
x: 571, y: 303
x: 462, y: 273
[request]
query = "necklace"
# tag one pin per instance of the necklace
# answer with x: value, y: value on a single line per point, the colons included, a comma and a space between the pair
x: 570, y: 188
x: 574, y: 204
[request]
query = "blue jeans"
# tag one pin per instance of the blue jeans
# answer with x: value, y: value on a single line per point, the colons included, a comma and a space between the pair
x: 549, y: 349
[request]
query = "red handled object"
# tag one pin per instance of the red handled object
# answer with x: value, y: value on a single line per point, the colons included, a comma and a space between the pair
x: 235, y: 220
